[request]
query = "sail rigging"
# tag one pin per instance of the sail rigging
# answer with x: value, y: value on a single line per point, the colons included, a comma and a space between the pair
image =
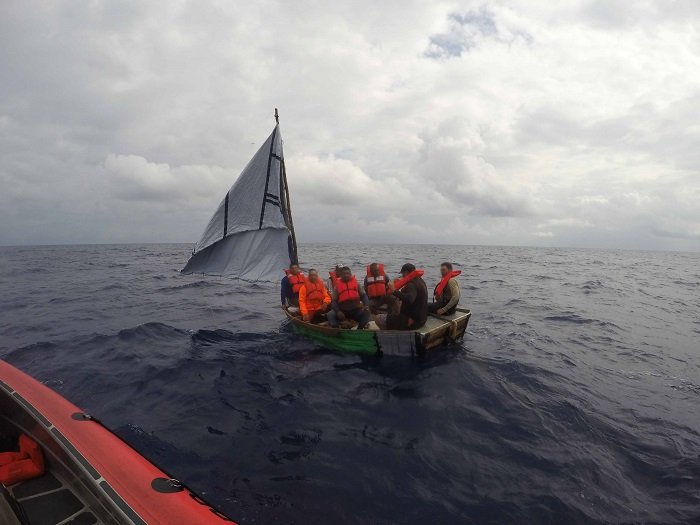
x: 251, y: 234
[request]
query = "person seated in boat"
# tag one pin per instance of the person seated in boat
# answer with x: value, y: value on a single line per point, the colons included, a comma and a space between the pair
x: 446, y: 294
x: 413, y: 294
x: 332, y: 276
x: 314, y: 299
x: 376, y: 286
x: 350, y: 302
x: 291, y: 284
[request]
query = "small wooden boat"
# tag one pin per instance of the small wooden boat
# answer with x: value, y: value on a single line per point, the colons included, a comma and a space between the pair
x: 439, y: 330
x: 90, y: 476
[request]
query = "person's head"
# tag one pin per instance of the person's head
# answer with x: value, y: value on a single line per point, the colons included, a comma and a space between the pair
x: 374, y: 269
x: 338, y: 268
x: 345, y: 273
x: 445, y: 268
x: 294, y: 269
x: 407, y: 268
x: 313, y: 275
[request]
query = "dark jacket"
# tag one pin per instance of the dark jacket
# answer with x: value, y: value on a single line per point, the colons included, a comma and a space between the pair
x: 414, y: 302
x: 287, y: 294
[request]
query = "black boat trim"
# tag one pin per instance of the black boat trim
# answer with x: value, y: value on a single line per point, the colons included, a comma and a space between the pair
x: 33, y: 410
x: 119, y: 502
x: 77, y: 455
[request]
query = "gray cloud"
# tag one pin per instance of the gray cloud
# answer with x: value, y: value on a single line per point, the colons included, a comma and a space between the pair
x: 569, y: 124
x: 617, y: 14
x: 451, y: 161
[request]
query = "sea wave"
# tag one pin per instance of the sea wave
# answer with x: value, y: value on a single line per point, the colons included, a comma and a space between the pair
x: 572, y: 398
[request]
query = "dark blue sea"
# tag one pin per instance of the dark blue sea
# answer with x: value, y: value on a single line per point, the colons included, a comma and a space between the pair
x: 574, y: 397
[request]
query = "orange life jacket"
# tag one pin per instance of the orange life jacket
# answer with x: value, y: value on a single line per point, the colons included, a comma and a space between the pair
x: 295, y: 280
x: 26, y: 464
x: 443, y: 282
x: 400, y: 283
x: 376, y: 286
x: 347, y: 291
x: 315, y: 294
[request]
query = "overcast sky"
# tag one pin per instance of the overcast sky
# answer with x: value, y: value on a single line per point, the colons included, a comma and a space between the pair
x: 569, y: 123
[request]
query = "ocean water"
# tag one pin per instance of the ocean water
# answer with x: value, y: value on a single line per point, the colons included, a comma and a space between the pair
x: 573, y: 398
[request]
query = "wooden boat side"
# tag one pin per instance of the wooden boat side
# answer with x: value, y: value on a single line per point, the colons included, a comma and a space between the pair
x: 363, y: 341
x: 452, y: 329
x: 439, y: 330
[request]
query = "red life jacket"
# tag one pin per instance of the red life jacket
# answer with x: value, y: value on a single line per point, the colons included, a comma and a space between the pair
x: 314, y: 294
x: 26, y: 464
x: 376, y: 286
x: 400, y: 283
x: 295, y: 280
x: 347, y: 291
x: 443, y: 282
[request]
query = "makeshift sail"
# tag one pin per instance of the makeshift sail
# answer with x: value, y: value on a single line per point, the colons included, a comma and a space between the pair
x: 251, y: 235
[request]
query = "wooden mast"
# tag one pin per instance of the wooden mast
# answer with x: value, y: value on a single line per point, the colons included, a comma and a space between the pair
x: 283, y: 179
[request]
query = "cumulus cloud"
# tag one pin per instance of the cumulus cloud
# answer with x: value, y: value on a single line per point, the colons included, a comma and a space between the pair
x: 331, y: 182
x: 133, y: 178
x: 451, y: 161
x: 475, y: 122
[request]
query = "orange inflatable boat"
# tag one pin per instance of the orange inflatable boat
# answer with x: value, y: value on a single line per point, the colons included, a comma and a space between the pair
x: 89, y: 475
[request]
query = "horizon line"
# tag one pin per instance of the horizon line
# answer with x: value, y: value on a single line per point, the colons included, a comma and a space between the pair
x: 561, y: 247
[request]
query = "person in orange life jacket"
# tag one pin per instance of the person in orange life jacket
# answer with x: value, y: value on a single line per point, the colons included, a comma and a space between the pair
x: 447, y: 294
x: 314, y: 299
x: 413, y: 294
x: 377, y: 287
x: 291, y: 284
x: 349, y: 301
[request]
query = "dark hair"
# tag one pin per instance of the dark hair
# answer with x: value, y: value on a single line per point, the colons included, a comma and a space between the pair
x: 312, y: 270
x: 407, y: 268
x: 447, y: 265
x: 373, y: 265
x: 346, y: 268
x: 293, y: 265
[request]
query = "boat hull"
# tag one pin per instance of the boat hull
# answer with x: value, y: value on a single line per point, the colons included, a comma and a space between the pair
x: 99, y: 477
x: 438, y: 331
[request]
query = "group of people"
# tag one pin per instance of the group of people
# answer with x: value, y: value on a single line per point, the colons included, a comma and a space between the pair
x: 401, y: 304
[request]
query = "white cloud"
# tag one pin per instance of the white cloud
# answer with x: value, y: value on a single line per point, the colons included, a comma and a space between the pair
x: 133, y: 178
x: 572, y: 123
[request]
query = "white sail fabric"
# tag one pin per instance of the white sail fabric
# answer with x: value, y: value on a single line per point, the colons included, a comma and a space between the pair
x: 260, y: 255
x: 250, y: 236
